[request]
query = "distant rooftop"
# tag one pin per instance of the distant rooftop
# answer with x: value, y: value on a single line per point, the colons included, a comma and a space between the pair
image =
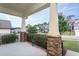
x: 5, y: 24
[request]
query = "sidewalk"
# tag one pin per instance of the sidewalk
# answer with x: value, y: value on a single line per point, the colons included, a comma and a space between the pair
x: 71, y: 53
x: 74, y: 38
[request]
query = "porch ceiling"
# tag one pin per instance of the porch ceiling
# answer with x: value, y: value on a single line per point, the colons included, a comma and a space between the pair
x: 22, y: 9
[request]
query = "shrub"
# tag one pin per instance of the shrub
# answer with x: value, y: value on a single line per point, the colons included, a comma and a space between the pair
x: 38, y: 39
x: 9, y: 38
x: 31, y: 29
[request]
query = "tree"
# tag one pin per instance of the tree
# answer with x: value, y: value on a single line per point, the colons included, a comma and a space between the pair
x: 42, y: 27
x: 31, y: 29
x: 63, y: 25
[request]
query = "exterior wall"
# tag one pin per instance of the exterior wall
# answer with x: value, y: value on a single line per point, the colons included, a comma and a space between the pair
x: 4, y: 31
x: 76, y: 32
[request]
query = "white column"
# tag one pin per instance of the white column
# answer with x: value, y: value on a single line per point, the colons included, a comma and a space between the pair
x: 54, y: 39
x: 23, y: 27
x: 23, y: 30
x: 53, y: 22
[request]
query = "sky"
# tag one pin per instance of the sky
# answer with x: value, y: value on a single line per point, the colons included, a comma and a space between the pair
x: 39, y: 17
x: 69, y: 9
x: 43, y: 16
x: 36, y: 18
x: 15, y: 21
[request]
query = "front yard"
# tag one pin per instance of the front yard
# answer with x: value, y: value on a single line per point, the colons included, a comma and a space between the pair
x: 68, y: 33
x: 72, y: 45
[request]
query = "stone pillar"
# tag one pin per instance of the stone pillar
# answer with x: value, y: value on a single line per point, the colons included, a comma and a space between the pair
x: 54, y: 46
x: 54, y: 39
x: 23, y: 35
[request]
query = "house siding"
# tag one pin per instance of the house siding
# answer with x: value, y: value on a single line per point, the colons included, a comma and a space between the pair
x: 4, y: 31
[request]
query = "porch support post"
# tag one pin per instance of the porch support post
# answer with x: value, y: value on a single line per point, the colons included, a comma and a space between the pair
x: 54, y: 39
x: 23, y: 36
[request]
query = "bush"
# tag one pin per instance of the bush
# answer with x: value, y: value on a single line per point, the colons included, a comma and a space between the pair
x: 31, y: 29
x: 9, y: 38
x: 38, y: 39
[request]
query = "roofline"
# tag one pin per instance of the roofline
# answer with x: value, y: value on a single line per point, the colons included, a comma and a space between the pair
x: 5, y: 28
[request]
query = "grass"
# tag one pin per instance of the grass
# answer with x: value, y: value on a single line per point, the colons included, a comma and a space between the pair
x: 72, y: 45
x: 68, y: 33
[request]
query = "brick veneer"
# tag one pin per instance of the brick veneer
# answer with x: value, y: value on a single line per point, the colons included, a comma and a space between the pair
x: 23, y: 36
x: 54, y: 46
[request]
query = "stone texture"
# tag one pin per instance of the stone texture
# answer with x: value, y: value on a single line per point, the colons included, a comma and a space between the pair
x: 54, y: 46
x: 23, y: 36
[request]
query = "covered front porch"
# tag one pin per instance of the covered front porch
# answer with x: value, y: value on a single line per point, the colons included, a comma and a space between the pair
x: 21, y: 49
x: 24, y: 10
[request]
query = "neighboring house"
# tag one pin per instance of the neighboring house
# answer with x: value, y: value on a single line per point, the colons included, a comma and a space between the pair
x: 71, y: 23
x: 15, y: 30
x: 5, y: 27
x: 76, y: 27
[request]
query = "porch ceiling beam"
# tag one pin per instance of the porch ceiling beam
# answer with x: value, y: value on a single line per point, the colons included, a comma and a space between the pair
x: 9, y: 11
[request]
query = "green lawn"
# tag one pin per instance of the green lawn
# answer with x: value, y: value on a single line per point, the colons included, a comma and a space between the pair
x: 68, y: 33
x: 72, y: 45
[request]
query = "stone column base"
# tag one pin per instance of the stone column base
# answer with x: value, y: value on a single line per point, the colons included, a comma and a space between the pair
x: 54, y: 46
x: 23, y: 36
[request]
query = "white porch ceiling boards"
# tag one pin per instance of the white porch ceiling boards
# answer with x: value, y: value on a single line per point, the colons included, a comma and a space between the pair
x: 22, y: 9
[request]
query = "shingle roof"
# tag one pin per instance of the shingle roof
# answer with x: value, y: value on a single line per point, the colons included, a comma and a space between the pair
x: 5, y: 24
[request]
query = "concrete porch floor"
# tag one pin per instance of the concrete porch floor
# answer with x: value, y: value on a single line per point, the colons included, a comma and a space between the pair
x: 21, y: 49
x: 26, y: 49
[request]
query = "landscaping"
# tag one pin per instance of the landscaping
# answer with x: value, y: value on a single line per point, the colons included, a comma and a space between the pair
x: 68, y: 33
x: 72, y: 45
x: 38, y: 39
x: 8, y: 38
